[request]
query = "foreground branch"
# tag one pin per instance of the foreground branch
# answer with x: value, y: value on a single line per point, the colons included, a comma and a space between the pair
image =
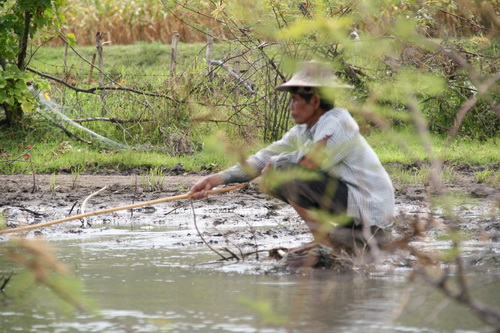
x: 17, y: 158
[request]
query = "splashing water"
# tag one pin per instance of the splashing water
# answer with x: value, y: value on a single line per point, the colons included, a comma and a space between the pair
x: 58, y: 110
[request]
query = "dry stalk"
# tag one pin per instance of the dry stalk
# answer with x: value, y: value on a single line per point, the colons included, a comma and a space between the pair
x: 201, y: 236
x: 85, y: 223
x: 230, y: 242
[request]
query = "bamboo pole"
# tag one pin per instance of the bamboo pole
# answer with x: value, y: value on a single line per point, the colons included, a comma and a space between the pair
x: 114, y: 209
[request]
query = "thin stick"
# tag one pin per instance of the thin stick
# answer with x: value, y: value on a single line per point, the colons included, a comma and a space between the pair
x: 201, y: 236
x: 114, y: 209
x: 82, y: 208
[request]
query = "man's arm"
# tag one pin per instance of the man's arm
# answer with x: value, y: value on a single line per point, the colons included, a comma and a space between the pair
x: 314, y: 158
x: 200, y: 188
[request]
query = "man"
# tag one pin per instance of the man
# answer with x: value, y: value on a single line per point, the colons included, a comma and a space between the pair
x: 322, y: 167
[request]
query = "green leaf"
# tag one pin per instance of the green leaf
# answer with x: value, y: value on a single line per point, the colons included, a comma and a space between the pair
x: 3, y: 82
x: 70, y: 37
x: 27, y: 106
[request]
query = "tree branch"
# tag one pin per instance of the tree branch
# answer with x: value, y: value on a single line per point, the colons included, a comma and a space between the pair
x: 464, y: 19
x: 113, y: 120
x: 68, y: 133
x: 95, y: 89
x: 201, y: 236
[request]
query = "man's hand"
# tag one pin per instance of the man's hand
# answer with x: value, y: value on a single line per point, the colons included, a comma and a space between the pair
x: 200, y: 188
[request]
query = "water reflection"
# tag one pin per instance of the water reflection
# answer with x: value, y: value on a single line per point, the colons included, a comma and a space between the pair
x: 143, y: 284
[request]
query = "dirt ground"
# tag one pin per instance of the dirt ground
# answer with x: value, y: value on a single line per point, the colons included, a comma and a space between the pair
x: 246, y: 217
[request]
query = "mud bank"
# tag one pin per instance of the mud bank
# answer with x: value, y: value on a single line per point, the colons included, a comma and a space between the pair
x: 244, y: 219
x: 158, y: 262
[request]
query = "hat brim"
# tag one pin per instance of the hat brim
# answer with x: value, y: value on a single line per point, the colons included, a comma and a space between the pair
x: 287, y: 86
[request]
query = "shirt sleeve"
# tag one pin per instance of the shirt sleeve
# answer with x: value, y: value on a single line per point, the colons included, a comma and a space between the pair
x: 341, y: 130
x: 279, y: 152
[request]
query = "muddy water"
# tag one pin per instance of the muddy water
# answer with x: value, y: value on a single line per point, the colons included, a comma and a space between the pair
x: 149, y: 271
x: 143, y: 284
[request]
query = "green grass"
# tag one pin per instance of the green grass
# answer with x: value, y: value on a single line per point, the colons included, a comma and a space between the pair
x: 54, y: 154
x: 141, y: 59
x: 60, y: 154
x: 404, y: 146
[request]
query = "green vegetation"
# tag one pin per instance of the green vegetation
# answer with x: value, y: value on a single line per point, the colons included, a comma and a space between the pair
x: 425, y: 75
x: 415, y: 67
x: 19, y: 21
x: 488, y: 176
x: 52, y: 156
x: 405, y: 147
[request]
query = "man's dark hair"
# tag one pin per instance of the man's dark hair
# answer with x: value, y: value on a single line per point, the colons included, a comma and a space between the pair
x: 307, y: 93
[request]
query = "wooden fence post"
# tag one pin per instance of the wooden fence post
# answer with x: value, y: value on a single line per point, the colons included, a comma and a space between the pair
x: 99, y: 36
x: 173, y: 55
x: 210, y: 44
x: 65, y: 58
x: 100, y: 56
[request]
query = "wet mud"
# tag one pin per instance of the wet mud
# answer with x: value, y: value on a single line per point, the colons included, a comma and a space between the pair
x: 240, y: 224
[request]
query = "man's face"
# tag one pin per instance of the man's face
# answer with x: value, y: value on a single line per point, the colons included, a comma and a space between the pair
x: 303, y: 112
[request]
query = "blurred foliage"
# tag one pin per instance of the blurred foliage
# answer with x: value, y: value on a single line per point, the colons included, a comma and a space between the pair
x: 41, y: 267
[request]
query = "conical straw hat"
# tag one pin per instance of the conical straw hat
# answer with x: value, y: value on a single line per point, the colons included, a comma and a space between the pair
x: 313, y: 74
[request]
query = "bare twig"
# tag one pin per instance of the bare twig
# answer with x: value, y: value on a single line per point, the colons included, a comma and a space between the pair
x: 95, y: 89
x: 487, y: 313
x: 425, y: 139
x: 33, y: 189
x: 112, y: 119
x: 245, y: 83
x: 201, y: 236
x: 469, y: 104
x: 233, y: 255
x: 17, y: 158
x: 464, y: 19
x: 230, y: 242
x: 68, y: 133
x: 5, y: 281
x: 85, y: 223
x: 85, y: 60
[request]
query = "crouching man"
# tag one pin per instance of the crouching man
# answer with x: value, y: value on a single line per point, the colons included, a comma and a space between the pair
x: 323, y: 167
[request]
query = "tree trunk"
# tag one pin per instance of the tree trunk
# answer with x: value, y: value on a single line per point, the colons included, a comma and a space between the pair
x: 13, y: 115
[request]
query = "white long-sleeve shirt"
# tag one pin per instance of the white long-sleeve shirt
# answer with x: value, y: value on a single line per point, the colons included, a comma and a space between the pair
x: 349, y: 158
